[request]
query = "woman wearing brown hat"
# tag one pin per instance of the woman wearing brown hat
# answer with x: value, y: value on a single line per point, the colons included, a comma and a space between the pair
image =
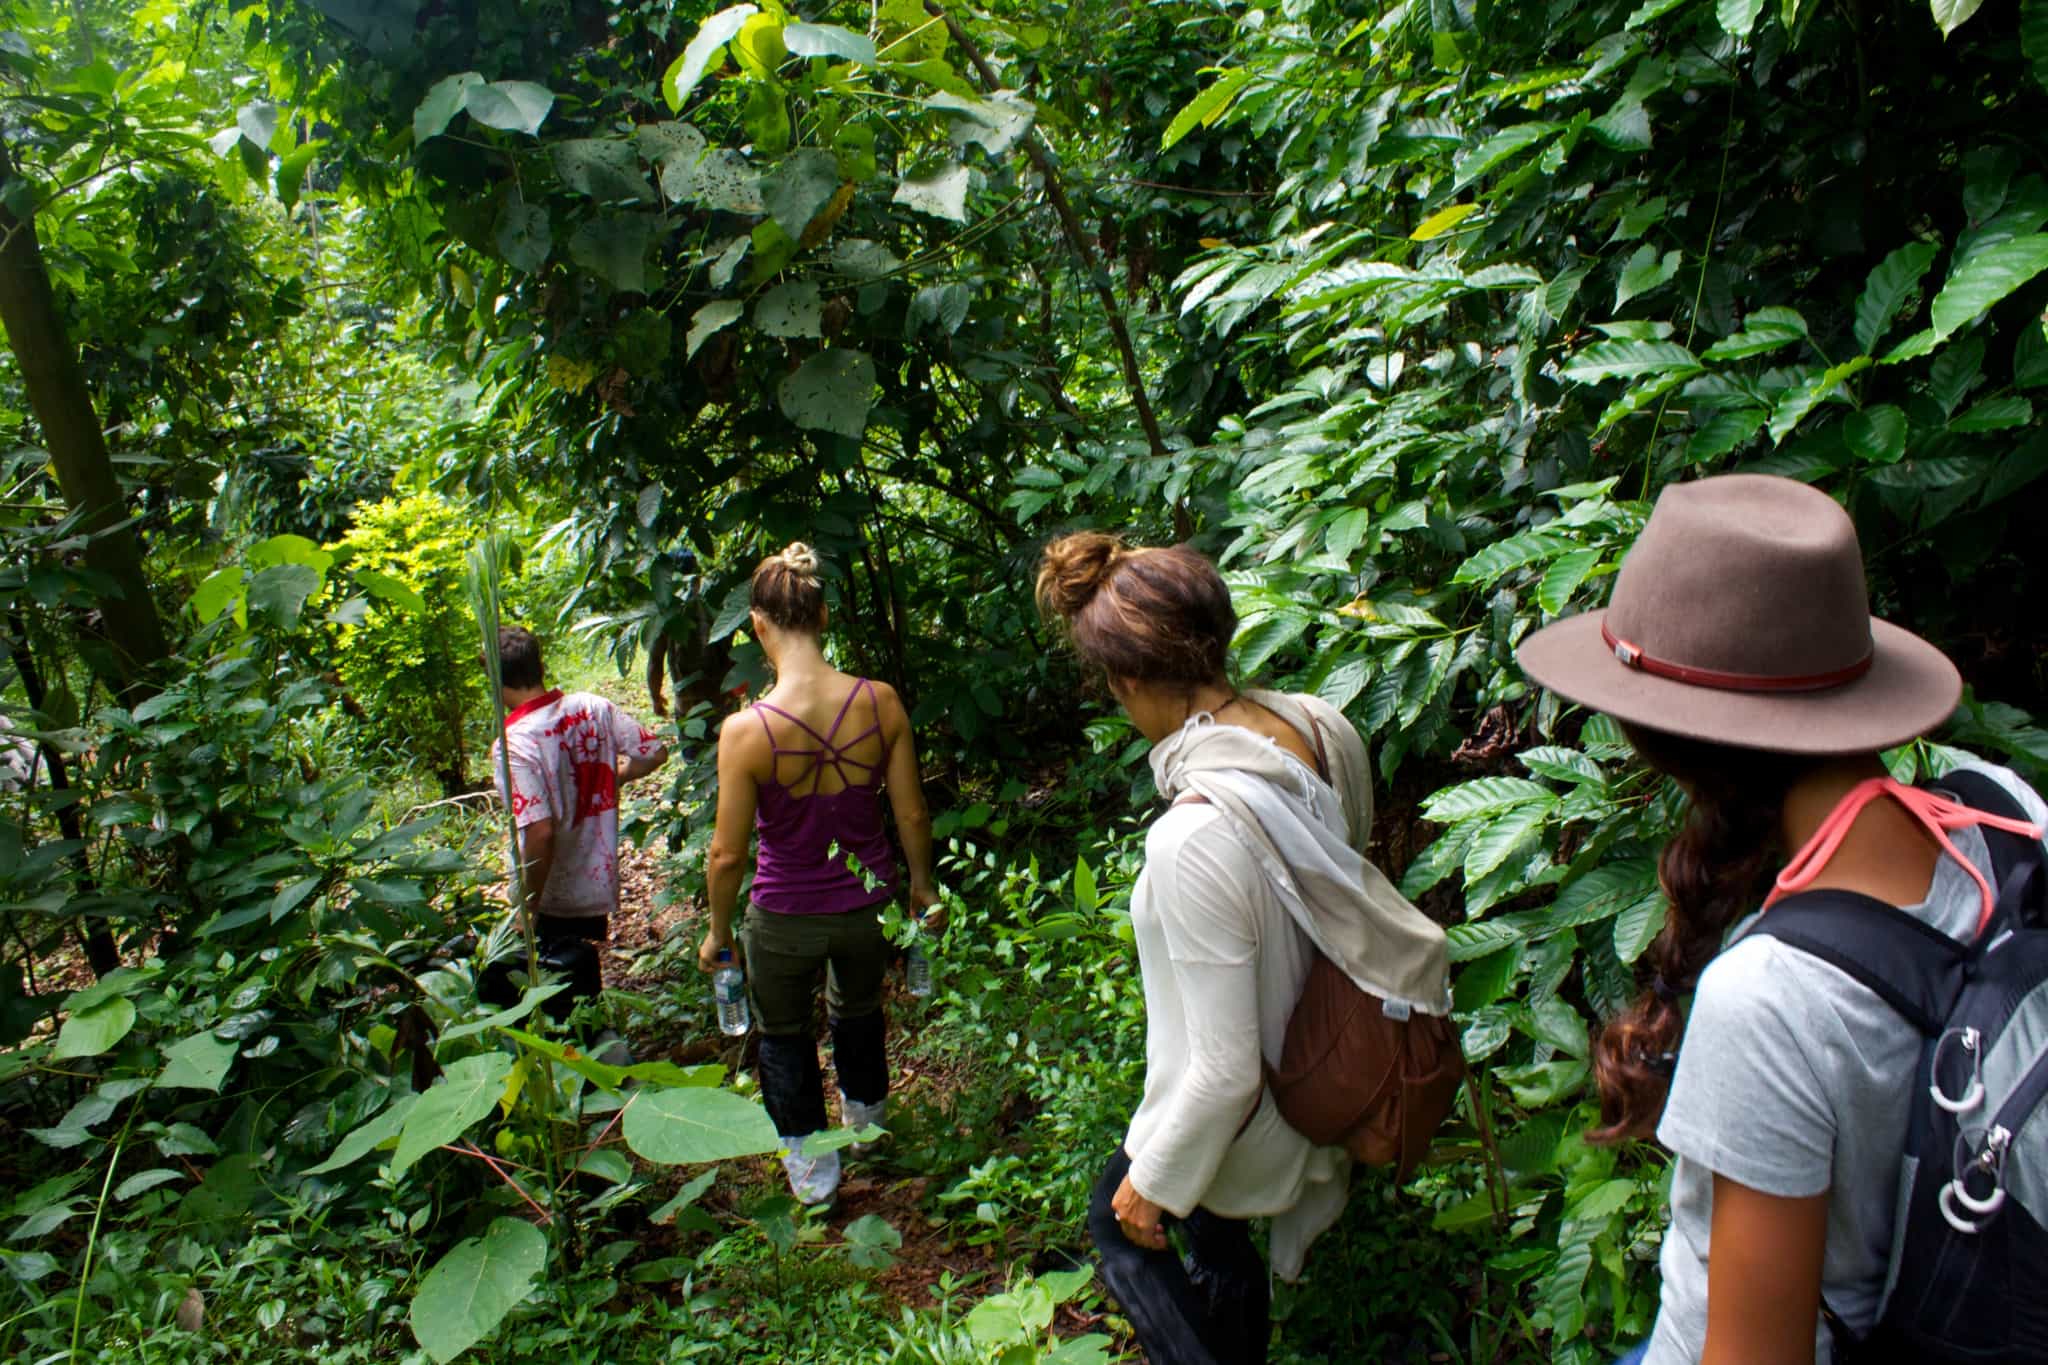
x: 1246, y: 876
x: 1740, y: 657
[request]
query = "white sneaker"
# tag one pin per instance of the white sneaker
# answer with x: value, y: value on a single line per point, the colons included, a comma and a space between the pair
x: 854, y: 1114
x: 812, y: 1179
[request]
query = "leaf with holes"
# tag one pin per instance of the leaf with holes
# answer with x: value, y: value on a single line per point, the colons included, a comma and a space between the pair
x: 832, y: 391
x: 790, y: 310
x: 469, y: 1291
x: 941, y: 194
x: 522, y: 235
x: 803, y: 184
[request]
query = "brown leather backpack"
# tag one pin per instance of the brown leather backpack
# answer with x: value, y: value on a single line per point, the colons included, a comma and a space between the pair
x: 1352, y: 1074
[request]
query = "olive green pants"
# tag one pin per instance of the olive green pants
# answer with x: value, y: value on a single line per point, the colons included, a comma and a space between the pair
x: 784, y: 955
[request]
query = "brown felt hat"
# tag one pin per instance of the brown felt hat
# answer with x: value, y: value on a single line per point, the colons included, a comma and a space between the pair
x: 1740, y: 617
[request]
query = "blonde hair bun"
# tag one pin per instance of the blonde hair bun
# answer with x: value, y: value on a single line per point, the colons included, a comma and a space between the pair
x: 798, y: 557
x: 1074, y: 569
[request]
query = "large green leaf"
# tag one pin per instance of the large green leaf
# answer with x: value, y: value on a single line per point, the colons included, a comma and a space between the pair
x: 803, y: 184
x: 1508, y: 833
x: 281, y: 590
x: 1483, y: 796
x: 89, y: 1032
x: 2034, y: 37
x: 369, y: 1136
x: 522, y: 235
x: 1644, y: 271
x: 1951, y: 14
x: 1502, y: 146
x: 469, y: 1291
x: 1763, y: 331
x: 708, y: 45
x: 442, y: 103
x: 828, y: 40
x: 941, y: 194
x: 605, y: 168
x: 832, y: 391
x: 1209, y: 104
x: 1877, y: 434
x: 1895, y: 277
x: 697, y: 1124
x: 465, y: 1093
x: 1985, y: 277
x: 200, y: 1062
x: 514, y: 106
x: 1629, y: 360
x: 615, y: 250
x: 713, y: 317
x: 1738, y: 17
x: 793, y: 309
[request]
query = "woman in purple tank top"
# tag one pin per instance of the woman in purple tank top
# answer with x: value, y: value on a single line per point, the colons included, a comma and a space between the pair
x: 805, y: 769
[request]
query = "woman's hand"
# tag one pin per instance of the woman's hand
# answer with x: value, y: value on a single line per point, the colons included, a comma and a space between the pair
x: 1139, y: 1217
x: 925, y: 908
x: 714, y: 944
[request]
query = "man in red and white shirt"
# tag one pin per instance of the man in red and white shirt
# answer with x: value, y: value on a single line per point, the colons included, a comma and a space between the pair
x: 566, y: 756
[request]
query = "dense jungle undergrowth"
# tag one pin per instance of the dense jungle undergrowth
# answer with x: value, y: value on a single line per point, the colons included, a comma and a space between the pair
x: 340, y: 330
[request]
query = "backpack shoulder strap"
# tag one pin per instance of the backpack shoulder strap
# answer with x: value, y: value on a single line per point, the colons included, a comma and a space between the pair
x: 1981, y: 791
x: 1910, y: 965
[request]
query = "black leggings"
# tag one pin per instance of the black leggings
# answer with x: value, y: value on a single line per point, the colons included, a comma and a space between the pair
x: 1210, y: 1309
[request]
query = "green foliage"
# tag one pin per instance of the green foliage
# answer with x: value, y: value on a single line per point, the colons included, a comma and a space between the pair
x: 409, y: 661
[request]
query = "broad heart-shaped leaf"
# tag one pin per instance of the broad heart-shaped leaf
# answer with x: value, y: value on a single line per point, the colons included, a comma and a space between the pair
x: 712, y: 317
x: 442, y: 104
x: 200, y: 1062
x: 712, y: 36
x: 89, y: 1032
x: 368, y: 1136
x: 522, y: 235
x: 1628, y: 360
x: 864, y: 260
x: 604, y: 168
x: 942, y: 194
x: 1877, y: 434
x: 1738, y: 17
x: 281, y: 590
x: 515, y: 106
x: 828, y: 40
x: 469, y: 1291
x: 832, y: 391
x: 794, y: 191
x: 995, y: 124
x: 221, y: 590
x: 1951, y: 14
x: 1984, y: 277
x: 793, y: 309
x: 697, y: 1124
x: 258, y: 122
x: 465, y: 1093
x: 1887, y: 288
x: 615, y: 249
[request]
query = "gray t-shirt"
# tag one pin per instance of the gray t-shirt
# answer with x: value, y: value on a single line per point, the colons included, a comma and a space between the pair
x: 1796, y: 1080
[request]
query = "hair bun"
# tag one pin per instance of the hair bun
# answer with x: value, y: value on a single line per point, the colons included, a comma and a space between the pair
x: 1074, y: 569
x: 798, y: 557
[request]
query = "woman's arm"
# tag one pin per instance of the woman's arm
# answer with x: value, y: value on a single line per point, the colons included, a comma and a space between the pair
x: 905, y: 785
x: 733, y: 835
x: 1763, y: 1278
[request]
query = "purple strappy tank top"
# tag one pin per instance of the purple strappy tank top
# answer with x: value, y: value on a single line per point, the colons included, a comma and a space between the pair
x: 806, y: 841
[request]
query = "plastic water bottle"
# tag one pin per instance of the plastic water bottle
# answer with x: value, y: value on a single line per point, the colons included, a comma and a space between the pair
x: 917, y: 970
x: 729, y: 992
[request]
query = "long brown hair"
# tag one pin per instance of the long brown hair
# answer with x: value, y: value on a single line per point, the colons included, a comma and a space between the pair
x: 1716, y: 869
x: 1152, y: 616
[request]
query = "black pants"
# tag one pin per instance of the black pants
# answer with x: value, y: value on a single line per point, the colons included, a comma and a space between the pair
x: 1210, y: 1309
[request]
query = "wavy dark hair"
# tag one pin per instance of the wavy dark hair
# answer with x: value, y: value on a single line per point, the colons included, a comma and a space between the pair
x: 1716, y: 869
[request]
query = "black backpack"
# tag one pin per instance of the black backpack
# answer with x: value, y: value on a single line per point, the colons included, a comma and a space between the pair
x: 1969, y: 1269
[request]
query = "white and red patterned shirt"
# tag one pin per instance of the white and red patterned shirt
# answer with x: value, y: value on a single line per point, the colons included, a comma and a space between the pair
x: 563, y: 752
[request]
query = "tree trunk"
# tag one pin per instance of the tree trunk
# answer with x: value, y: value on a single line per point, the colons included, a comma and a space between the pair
x: 130, y: 633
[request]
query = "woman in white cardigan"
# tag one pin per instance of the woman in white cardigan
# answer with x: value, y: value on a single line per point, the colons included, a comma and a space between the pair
x: 1222, y: 954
